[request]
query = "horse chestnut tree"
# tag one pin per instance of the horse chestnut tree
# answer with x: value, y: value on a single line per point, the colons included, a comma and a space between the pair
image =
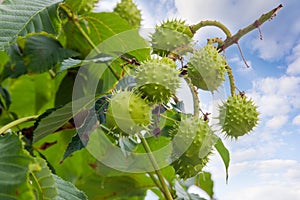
x: 89, y: 108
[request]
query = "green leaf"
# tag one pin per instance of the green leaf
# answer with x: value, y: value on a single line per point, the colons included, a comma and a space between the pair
x: 75, y: 145
x: 66, y: 170
x: 105, y: 171
x: 204, y: 181
x: 90, y: 122
x: 4, y: 59
x: 120, y: 187
x: 14, y: 169
x: 20, y: 18
x: 98, y: 26
x: 161, y: 148
x: 43, y: 179
x: 59, y: 117
x: 224, y: 153
x: 67, y: 191
x: 183, y: 194
x: 15, y: 67
x: 31, y: 94
x: 42, y: 52
x: 64, y: 93
x: 74, y: 63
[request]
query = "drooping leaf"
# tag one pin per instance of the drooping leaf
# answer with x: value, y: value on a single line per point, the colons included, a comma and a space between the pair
x: 204, y: 181
x: 67, y: 191
x: 224, y: 153
x: 43, y: 180
x: 14, y: 169
x: 20, y: 18
x: 42, y: 52
x: 59, y: 117
x: 75, y: 145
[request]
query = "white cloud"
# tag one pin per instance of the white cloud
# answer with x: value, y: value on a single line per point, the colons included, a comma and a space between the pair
x: 296, y: 120
x: 276, y: 96
x: 277, y: 122
x: 232, y: 13
x: 266, y: 192
x: 294, y: 66
x: 105, y: 5
x: 238, y: 62
x: 279, y: 180
x: 273, y: 179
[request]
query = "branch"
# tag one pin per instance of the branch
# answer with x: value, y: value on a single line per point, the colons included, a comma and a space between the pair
x: 235, y: 38
x: 196, y: 27
x: 17, y: 122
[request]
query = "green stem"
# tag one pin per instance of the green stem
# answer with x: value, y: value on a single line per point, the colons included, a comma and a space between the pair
x: 17, y: 122
x: 196, y: 27
x: 195, y: 97
x: 231, y: 80
x: 256, y: 24
x: 165, y: 188
x: 157, y: 183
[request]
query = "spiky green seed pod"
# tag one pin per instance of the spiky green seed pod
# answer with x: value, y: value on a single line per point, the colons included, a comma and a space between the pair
x: 128, y: 113
x: 81, y: 6
x: 169, y: 36
x: 238, y: 116
x: 129, y: 11
x: 195, y: 135
x: 207, y: 68
x: 157, y: 80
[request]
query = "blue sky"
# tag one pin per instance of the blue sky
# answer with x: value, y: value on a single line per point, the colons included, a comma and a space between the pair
x: 266, y: 163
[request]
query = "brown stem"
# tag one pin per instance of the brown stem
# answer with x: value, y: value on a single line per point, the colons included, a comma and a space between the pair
x: 235, y: 38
